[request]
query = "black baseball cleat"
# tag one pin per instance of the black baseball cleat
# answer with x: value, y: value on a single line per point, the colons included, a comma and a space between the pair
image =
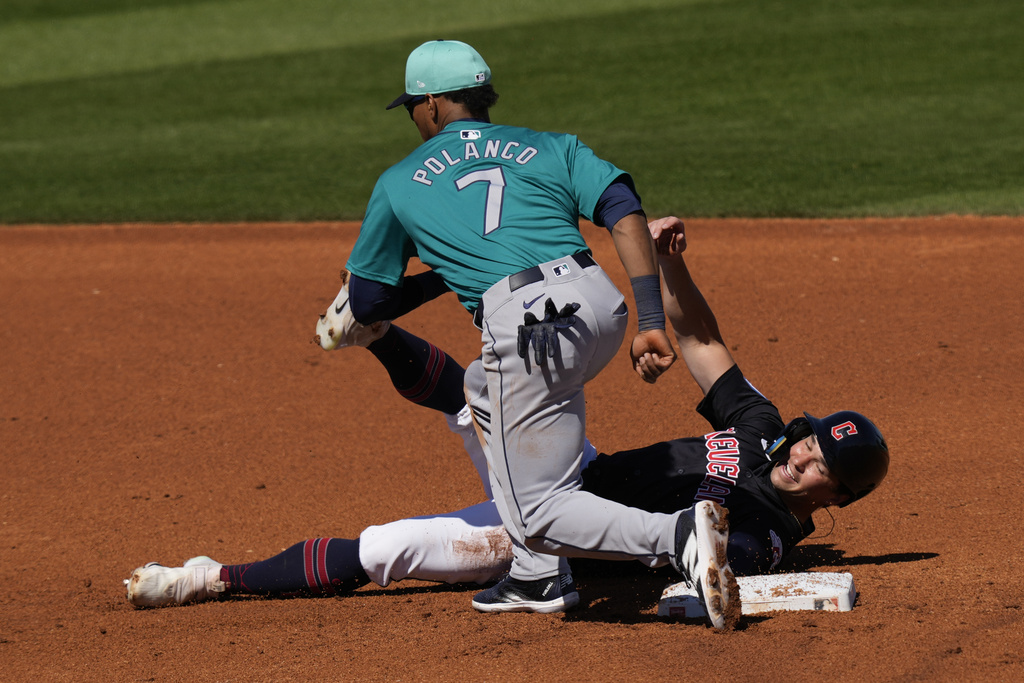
x: 553, y: 594
x: 702, y: 538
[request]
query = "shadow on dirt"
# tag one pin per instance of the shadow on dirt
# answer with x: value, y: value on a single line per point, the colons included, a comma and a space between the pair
x: 824, y: 556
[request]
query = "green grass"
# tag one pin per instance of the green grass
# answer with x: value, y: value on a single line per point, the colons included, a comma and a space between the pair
x: 259, y: 109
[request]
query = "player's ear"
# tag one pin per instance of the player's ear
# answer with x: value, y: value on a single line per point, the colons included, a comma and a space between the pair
x: 432, y: 108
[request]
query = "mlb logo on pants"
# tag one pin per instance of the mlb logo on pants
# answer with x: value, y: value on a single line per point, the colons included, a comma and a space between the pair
x: 561, y: 269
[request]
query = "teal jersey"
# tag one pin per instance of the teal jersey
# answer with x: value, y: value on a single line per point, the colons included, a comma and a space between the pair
x: 478, y: 202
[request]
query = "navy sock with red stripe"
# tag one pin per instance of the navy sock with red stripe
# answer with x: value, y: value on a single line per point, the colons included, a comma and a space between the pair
x: 318, y: 566
x: 420, y: 371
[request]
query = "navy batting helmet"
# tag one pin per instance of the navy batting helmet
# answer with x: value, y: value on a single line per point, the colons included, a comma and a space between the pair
x: 855, y: 451
x: 853, y: 448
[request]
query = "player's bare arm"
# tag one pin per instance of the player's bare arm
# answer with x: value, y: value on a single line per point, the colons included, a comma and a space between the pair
x: 696, y: 329
x: 651, y: 351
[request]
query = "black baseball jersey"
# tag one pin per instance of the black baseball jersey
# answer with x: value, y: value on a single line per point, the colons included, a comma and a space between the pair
x: 727, y: 466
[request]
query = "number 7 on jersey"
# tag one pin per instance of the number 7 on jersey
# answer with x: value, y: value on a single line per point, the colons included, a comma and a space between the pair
x: 495, y: 179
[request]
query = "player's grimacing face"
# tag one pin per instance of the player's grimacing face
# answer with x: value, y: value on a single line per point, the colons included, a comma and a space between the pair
x: 804, y: 474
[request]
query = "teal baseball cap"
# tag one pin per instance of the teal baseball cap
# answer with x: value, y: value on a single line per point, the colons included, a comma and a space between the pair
x: 441, y: 66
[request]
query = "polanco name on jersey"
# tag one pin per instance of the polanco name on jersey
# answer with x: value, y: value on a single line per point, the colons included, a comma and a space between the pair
x: 493, y: 149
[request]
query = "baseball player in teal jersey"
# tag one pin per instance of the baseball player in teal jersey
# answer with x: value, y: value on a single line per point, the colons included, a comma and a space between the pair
x: 501, y: 200
x: 493, y: 211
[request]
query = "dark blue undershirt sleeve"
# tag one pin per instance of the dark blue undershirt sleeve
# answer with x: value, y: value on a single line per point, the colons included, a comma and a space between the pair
x: 374, y: 301
x: 619, y: 200
x: 747, y: 556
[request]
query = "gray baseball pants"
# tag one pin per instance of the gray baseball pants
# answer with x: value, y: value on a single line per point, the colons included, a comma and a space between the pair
x: 532, y: 420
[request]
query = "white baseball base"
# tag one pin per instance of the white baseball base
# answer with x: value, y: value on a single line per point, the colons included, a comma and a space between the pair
x: 822, y: 591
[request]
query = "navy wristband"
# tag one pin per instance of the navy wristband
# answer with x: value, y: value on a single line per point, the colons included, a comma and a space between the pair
x: 650, y: 314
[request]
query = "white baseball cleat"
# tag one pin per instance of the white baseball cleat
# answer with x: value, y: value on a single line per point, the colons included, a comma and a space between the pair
x: 154, y: 585
x: 337, y: 328
x: 702, y: 539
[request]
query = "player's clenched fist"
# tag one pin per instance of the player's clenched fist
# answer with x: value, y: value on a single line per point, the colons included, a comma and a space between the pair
x: 652, y: 354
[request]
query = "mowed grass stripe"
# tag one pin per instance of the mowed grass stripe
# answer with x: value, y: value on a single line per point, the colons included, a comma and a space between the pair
x: 728, y: 108
x: 58, y: 40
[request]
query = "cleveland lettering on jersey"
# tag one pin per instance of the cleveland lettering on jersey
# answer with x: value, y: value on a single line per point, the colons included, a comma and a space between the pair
x: 493, y: 149
x: 723, y: 466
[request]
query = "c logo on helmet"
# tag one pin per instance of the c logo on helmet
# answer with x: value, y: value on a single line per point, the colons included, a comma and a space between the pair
x: 845, y: 429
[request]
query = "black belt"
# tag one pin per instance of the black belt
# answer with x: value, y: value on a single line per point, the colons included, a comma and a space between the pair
x: 531, y: 275
x: 528, y: 277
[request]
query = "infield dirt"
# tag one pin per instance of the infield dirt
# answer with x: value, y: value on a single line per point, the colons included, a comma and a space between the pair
x: 160, y: 398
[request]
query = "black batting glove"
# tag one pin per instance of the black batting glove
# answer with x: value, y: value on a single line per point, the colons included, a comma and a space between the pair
x: 544, y: 333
